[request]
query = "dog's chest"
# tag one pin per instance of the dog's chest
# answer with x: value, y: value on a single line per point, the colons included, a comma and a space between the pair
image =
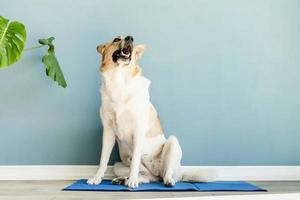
x: 124, y: 101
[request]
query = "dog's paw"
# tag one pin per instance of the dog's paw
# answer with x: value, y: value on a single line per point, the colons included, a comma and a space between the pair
x: 94, y: 180
x: 132, y: 182
x: 169, y: 182
x: 119, y: 181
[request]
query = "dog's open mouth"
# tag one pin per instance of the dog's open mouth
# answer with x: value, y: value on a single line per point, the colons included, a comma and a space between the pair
x: 124, y: 52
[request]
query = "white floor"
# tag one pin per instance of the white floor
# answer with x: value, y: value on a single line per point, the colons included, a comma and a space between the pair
x: 50, y: 190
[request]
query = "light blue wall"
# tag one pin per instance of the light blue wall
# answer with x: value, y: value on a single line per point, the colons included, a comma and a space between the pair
x: 225, y: 79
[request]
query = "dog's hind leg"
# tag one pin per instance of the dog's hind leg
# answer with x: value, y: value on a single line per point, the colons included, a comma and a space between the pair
x: 120, y: 169
x: 122, y: 172
x: 170, y: 158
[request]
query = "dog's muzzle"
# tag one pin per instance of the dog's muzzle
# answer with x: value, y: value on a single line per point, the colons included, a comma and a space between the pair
x: 125, y: 50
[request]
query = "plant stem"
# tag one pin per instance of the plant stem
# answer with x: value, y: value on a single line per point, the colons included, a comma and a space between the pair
x: 31, y: 48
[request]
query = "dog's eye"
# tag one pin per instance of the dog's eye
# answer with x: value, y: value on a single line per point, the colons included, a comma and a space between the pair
x: 116, y: 40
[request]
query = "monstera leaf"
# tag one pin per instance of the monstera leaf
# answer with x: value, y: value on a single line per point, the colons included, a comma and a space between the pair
x: 12, y: 41
x: 52, y: 66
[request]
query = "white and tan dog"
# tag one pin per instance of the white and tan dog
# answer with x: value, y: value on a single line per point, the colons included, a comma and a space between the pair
x: 129, y: 118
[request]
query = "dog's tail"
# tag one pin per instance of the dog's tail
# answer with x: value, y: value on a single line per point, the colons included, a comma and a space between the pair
x: 199, y: 175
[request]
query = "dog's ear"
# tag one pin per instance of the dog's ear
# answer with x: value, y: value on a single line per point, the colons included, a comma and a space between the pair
x: 100, y: 48
x: 139, y: 50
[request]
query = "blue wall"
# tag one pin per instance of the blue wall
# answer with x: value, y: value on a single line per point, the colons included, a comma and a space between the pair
x: 225, y: 79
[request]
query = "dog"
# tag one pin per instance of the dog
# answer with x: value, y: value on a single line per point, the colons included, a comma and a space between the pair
x: 129, y: 117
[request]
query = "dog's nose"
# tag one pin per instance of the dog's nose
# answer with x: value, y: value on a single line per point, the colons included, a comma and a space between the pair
x: 128, y: 39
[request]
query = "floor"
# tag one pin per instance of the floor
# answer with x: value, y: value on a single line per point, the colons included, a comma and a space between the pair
x: 52, y: 190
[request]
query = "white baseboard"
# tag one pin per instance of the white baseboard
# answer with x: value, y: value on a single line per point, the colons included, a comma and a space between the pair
x: 73, y: 172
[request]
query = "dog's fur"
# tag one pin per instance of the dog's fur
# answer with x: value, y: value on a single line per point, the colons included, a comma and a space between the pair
x: 129, y: 118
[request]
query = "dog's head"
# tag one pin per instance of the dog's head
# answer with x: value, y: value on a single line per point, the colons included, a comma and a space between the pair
x: 119, y: 52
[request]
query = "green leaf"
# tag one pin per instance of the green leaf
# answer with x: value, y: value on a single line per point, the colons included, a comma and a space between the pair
x: 12, y: 41
x: 53, y: 69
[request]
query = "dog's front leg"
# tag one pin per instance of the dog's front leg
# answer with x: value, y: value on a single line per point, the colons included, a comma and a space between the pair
x: 108, y: 142
x: 138, y: 139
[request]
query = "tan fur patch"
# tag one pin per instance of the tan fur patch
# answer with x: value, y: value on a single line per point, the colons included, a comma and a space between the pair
x: 136, y: 71
x: 107, y: 50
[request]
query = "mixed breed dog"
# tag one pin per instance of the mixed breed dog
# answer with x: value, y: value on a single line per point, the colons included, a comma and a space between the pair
x: 129, y: 118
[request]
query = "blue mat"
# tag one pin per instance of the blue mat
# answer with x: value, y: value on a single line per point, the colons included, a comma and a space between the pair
x: 106, y: 185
